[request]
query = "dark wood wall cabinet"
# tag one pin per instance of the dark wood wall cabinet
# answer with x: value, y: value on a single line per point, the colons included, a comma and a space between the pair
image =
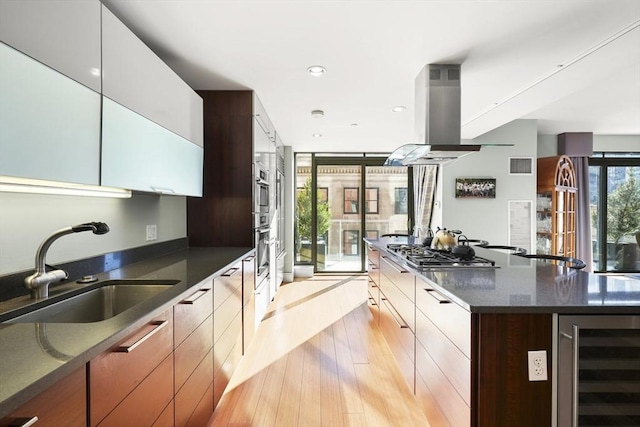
x: 223, y: 216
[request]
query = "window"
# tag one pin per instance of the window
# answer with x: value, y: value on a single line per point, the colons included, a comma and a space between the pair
x: 350, y: 242
x: 400, y: 200
x: 371, y: 198
x: 323, y: 195
x: 351, y: 200
x: 614, y: 193
x: 372, y: 234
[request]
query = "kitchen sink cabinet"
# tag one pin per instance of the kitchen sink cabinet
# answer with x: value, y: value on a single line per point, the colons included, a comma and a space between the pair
x: 63, y: 403
x: 63, y: 35
x: 193, y: 356
x: 134, y: 379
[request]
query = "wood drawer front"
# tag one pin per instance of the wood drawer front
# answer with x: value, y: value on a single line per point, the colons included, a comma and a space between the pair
x: 401, y: 341
x: 452, y: 405
x: 222, y: 373
x: 62, y: 404
x: 403, y: 306
x: 191, y: 312
x: 373, y: 264
x: 248, y: 322
x: 453, y: 320
x: 248, y: 278
x: 192, y: 351
x: 194, y: 390
x: 429, y: 406
x: 399, y: 276
x: 147, y: 402
x: 451, y: 360
x: 226, y: 313
x: 231, y: 337
x: 166, y: 417
x: 227, y: 284
x: 203, y: 411
x: 115, y: 373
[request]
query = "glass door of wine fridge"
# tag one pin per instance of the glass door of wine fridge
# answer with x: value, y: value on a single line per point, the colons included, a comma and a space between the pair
x: 599, y: 370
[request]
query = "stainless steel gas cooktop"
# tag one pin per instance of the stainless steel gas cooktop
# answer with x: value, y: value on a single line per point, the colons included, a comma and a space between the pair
x: 419, y: 256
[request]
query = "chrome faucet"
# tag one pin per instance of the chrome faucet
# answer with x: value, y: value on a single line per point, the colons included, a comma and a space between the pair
x: 38, y: 283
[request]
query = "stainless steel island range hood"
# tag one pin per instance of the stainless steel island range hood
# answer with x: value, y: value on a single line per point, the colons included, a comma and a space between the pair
x: 437, y: 120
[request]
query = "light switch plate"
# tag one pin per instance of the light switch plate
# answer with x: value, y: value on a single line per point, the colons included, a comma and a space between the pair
x: 152, y: 232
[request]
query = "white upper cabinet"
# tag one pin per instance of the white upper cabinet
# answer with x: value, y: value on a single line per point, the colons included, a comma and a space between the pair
x: 136, y: 78
x: 65, y: 35
x: 49, y: 123
x: 139, y: 154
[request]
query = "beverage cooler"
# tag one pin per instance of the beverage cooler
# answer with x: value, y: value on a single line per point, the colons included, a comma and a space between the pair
x: 599, y: 370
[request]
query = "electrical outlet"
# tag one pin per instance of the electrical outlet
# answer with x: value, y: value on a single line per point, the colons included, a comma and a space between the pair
x: 538, y: 365
x: 152, y: 232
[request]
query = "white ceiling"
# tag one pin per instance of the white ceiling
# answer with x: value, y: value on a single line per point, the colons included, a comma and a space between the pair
x: 574, y: 65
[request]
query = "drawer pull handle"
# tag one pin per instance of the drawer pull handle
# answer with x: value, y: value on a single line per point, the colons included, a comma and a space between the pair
x: 23, y: 422
x: 230, y: 272
x: 195, y: 296
x: 372, y: 301
x: 394, y: 266
x: 128, y: 348
x: 249, y: 258
x: 395, y: 315
x: 437, y: 296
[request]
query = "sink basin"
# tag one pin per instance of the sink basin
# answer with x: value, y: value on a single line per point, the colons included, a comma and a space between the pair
x: 97, y: 303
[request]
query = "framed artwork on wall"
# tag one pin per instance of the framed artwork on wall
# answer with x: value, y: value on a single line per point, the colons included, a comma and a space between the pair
x: 476, y: 188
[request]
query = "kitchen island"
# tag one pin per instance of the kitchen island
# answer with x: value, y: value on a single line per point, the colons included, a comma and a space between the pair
x: 35, y: 356
x: 462, y: 335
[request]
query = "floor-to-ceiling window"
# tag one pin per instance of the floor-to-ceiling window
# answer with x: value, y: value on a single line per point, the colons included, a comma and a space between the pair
x: 354, y: 197
x: 614, y: 188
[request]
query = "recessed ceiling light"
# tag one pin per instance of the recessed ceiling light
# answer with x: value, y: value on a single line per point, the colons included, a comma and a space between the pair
x: 354, y: 125
x: 317, y: 135
x: 398, y: 108
x: 317, y: 114
x: 316, y: 70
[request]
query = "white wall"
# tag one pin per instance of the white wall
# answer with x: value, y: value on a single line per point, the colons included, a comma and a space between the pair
x: 548, y: 144
x: 27, y: 219
x: 488, y: 218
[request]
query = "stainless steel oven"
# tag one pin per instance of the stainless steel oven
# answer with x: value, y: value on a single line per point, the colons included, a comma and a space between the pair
x: 262, y: 189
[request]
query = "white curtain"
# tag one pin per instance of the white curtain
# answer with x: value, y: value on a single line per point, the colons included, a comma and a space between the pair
x: 424, y: 184
x: 584, y: 250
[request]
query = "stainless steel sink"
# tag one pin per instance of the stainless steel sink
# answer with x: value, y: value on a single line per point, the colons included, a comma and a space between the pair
x: 97, y: 303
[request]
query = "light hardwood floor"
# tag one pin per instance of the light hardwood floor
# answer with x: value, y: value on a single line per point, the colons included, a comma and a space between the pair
x: 318, y: 359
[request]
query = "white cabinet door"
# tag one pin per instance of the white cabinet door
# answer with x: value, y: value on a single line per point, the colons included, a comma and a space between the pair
x: 64, y: 35
x: 49, y: 123
x: 135, y: 77
x: 140, y: 155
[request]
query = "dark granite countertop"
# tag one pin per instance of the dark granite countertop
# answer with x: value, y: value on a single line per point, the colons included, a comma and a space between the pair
x: 34, y: 356
x: 522, y: 285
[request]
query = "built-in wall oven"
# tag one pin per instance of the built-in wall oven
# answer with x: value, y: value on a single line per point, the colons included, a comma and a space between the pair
x: 262, y: 189
x: 262, y: 254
